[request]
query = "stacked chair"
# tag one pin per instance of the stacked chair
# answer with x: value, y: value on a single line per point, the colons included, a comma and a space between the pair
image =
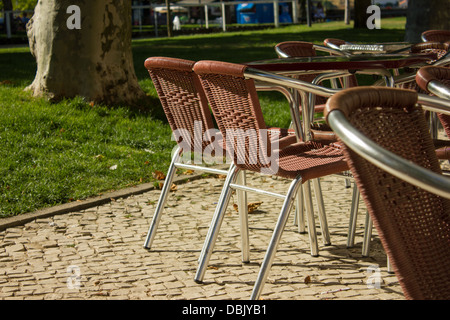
x: 189, y: 116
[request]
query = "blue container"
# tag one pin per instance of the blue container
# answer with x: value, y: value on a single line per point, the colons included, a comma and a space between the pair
x: 260, y: 13
x: 246, y: 13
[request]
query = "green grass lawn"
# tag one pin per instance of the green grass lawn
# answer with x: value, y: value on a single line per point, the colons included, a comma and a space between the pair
x: 52, y: 153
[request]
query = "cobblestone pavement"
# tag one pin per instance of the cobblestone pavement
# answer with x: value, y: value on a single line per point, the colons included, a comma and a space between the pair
x: 98, y: 253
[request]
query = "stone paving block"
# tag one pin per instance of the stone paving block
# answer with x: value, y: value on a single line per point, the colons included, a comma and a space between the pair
x: 106, y: 244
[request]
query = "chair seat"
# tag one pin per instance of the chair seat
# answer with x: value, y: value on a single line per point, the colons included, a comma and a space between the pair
x: 309, y: 160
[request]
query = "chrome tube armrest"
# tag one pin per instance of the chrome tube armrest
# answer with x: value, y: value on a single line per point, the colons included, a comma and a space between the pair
x: 434, y: 104
x: 272, y: 78
x: 280, y: 53
x: 386, y: 160
x: 439, y: 89
x: 336, y: 51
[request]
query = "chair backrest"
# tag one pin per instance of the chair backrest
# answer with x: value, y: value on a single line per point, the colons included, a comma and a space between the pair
x: 234, y: 101
x: 441, y: 75
x: 413, y: 224
x: 431, y: 47
x: 182, y: 99
x: 296, y: 48
x: 436, y: 35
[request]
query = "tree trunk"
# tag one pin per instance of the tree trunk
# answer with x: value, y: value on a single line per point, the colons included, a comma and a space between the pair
x: 347, y: 12
x: 93, y: 60
x: 361, y: 13
x: 425, y: 15
x: 169, y: 19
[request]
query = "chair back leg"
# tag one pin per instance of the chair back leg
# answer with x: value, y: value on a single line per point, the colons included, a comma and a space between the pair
x: 216, y: 223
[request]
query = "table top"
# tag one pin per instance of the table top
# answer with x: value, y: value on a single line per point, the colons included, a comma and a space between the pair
x: 353, y: 62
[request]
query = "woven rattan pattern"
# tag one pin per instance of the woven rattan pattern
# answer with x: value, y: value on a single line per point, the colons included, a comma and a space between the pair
x: 183, y: 103
x: 236, y: 108
x: 436, y: 35
x: 414, y: 225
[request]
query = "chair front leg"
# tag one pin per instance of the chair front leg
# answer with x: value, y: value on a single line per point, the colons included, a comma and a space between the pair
x: 322, y: 216
x: 310, y: 219
x: 216, y: 222
x: 162, y: 199
x: 275, y: 240
x: 243, y: 216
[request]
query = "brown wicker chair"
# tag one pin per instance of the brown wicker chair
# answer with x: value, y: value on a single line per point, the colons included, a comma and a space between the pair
x: 413, y: 224
x: 186, y: 108
x: 236, y: 108
x: 436, y: 35
x: 436, y: 80
x: 334, y: 43
x: 439, y: 48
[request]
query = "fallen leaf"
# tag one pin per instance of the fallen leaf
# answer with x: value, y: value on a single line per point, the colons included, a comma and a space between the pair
x: 173, y: 187
x: 307, y: 279
x: 221, y: 176
x: 114, y: 167
x: 158, y: 175
x: 253, y: 206
x: 99, y: 157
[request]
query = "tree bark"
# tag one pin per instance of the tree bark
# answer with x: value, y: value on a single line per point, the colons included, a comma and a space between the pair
x: 425, y: 15
x: 94, y: 61
x: 361, y: 15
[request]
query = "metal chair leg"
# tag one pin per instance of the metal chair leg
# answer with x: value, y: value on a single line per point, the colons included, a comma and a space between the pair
x: 322, y: 216
x: 367, y: 235
x: 162, y: 200
x: 274, y: 242
x: 353, y: 217
x: 310, y: 219
x: 243, y: 216
x: 299, y: 212
x: 216, y: 222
